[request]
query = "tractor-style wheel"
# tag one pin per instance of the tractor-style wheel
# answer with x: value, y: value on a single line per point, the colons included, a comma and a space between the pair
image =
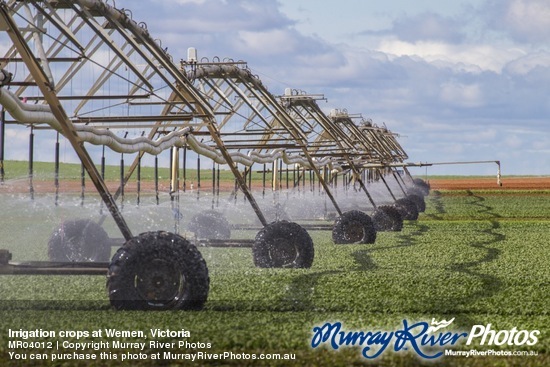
x: 414, y: 190
x: 387, y: 218
x: 79, y: 240
x: 407, y: 209
x: 353, y: 227
x: 418, y: 200
x: 422, y: 185
x: 210, y: 225
x: 158, y: 271
x: 283, y: 245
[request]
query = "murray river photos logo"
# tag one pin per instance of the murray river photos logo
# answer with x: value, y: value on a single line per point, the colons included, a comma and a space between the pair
x: 428, y: 341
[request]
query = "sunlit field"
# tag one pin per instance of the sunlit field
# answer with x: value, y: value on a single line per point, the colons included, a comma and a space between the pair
x: 477, y: 256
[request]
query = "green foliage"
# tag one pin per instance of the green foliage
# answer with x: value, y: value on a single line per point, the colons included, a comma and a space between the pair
x: 45, y: 171
x: 480, y: 257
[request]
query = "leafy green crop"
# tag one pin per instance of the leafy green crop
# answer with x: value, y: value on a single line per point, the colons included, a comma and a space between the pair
x: 478, y: 257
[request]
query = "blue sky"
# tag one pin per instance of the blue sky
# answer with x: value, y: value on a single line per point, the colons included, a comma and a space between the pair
x: 462, y: 80
x: 458, y: 80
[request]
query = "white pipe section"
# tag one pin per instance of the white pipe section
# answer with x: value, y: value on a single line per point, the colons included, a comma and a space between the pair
x: 41, y: 114
x: 26, y: 113
x: 125, y: 145
x: 253, y: 157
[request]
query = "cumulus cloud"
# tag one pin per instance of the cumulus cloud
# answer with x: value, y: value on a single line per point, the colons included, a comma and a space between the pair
x: 529, y: 63
x: 425, y: 27
x: 466, y: 57
x: 523, y: 20
x: 462, y: 95
x: 211, y: 16
x: 425, y: 75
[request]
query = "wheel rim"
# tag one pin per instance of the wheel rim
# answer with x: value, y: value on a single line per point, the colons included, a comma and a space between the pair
x: 354, y: 231
x: 74, y: 248
x: 81, y: 244
x: 160, y: 283
x: 283, y: 253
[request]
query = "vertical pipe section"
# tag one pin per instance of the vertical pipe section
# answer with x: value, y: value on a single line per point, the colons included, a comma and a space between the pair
x: 280, y: 174
x: 213, y: 184
x: 103, y: 162
x: 56, y: 170
x: 218, y: 187
x: 157, y: 179
x: 213, y: 178
x: 82, y: 183
x: 174, y: 172
x: 174, y: 194
x: 121, y: 180
x: 102, y: 176
x: 2, y: 141
x: 263, y: 181
x: 198, y: 175
x: 184, y: 167
x: 31, y: 160
x: 138, y: 180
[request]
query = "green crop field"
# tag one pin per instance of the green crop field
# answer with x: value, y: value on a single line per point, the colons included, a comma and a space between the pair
x: 45, y: 171
x: 479, y: 257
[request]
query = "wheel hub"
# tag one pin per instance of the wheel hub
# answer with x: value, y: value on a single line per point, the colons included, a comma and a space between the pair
x: 283, y: 252
x: 354, y: 231
x: 160, y: 282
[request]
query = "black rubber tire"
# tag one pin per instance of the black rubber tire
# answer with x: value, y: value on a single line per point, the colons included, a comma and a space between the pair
x: 158, y: 271
x: 79, y: 240
x: 353, y: 227
x: 386, y: 218
x: 418, y: 201
x: 407, y: 208
x: 416, y: 191
x: 422, y: 185
x: 283, y: 244
x: 210, y: 225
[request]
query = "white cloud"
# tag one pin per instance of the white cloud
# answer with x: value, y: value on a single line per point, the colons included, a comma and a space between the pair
x: 480, y: 135
x: 191, y: 1
x: 277, y: 41
x: 462, y: 95
x: 427, y: 26
x: 466, y: 57
x: 453, y: 148
x: 213, y: 16
x: 447, y: 84
x: 513, y: 141
x: 527, y: 63
x: 541, y: 145
x: 523, y: 20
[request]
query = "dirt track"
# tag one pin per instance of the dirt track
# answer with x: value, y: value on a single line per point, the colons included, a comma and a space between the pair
x: 508, y: 183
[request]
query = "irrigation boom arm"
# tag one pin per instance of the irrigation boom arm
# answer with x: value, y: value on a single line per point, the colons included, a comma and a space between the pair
x: 428, y: 164
x: 8, y: 24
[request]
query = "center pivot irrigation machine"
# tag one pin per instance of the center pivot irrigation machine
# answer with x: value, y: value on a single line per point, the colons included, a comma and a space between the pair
x: 89, y: 72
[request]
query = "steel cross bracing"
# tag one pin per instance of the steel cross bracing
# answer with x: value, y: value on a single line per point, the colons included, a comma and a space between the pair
x: 109, y: 71
x: 343, y: 141
x: 352, y: 145
x: 257, y: 126
x: 90, y: 72
x: 386, y: 154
